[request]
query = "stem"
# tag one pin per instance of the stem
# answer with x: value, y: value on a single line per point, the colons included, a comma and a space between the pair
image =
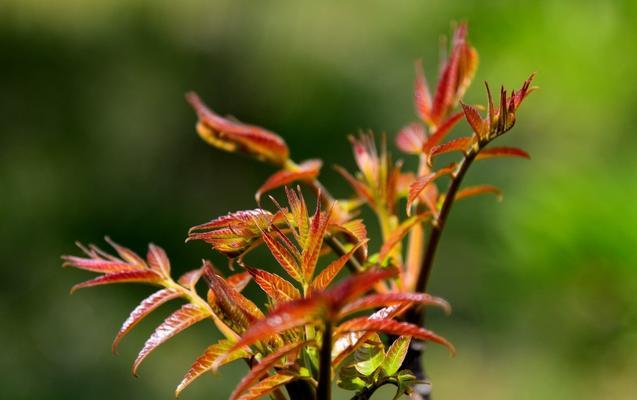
x: 325, y: 365
x: 367, y: 392
x: 417, y: 315
x: 439, y: 223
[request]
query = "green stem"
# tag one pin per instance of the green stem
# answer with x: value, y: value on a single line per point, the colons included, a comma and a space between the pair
x: 324, y: 391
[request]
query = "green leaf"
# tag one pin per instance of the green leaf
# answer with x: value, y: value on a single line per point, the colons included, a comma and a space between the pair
x: 350, y: 378
x: 406, y: 381
x: 369, y: 356
x: 395, y: 355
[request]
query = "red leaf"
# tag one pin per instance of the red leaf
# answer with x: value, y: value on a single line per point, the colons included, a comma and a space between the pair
x: 347, y: 343
x: 411, y: 138
x: 314, y: 242
x: 492, y: 112
x: 393, y: 327
x: 239, y: 281
x: 306, y: 171
x: 204, y: 362
x: 158, y: 260
x: 126, y: 254
x: 355, y: 285
x: 360, y: 188
x: 262, y: 367
x: 299, y: 214
x: 283, y: 256
x: 231, y: 234
x: 521, y: 94
x: 286, y: 316
x: 422, y: 96
x: 190, y: 278
x: 477, y: 190
x: 146, y: 276
x: 325, y: 277
x: 235, y: 136
x: 502, y: 152
x: 231, y: 306
x: 274, y: 286
x: 442, y: 131
x: 186, y: 316
x: 423, y: 181
x: 459, y: 144
x: 98, y: 265
x: 479, y: 126
x: 366, y: 156
x: 445, y: 89
x: 267, y: 386
x: 389, y: 299
x: 399, y: 233
x: 147, y: 306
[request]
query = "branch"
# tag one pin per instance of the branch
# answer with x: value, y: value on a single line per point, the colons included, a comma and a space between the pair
x: 324, y: 390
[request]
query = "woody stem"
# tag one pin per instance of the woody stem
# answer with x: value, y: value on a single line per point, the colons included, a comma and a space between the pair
x: 325, y: 364
x: 413, y: 359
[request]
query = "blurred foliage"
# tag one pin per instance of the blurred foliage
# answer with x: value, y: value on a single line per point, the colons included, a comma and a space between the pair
x: 97, y: 139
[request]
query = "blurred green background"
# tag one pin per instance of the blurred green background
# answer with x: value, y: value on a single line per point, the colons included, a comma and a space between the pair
x: 96, y: 138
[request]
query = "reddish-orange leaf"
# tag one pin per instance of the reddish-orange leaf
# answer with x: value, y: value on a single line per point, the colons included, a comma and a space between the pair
x: 98, y: 265
x: 360, y: 188
x: 312, y: 247
x: 299, y: 214
x: 232, y: 234
x: 492, y: 112
x: 423, y: 181
x: 142, y: 310
x: 234, y: 308
x: 422, y: 96
x: 286, y: 316
x: 399, y: 233
x: 190, y: 278
x: 235, y: 136
x: 442, y: 131
x: 246, y: 219
x: 459, y: 144
x: 146, y: 276
x: 502, y: 152
x: 520, y: 95
x: 274, y: 286
x: 393, y: 327
x: 267, y: 386
x: 186, y: 316
x: 126, y: 254
x: 477, y: 190
x: 283, y: 256
x: 411, y: 138
x: 158, y: 260
x: 204, y: 362
x: 445, y: 89
x: 355, y: 285
x: 366, y: 156
x: 325, y: 277
x: 356, y: 230
x: 467, y: 66
x: 479, y: 126
x: 239, y: 281
x: 306, y: 171
x: 266, y: 364
x: 347, y: 343
x: 389, y: 299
